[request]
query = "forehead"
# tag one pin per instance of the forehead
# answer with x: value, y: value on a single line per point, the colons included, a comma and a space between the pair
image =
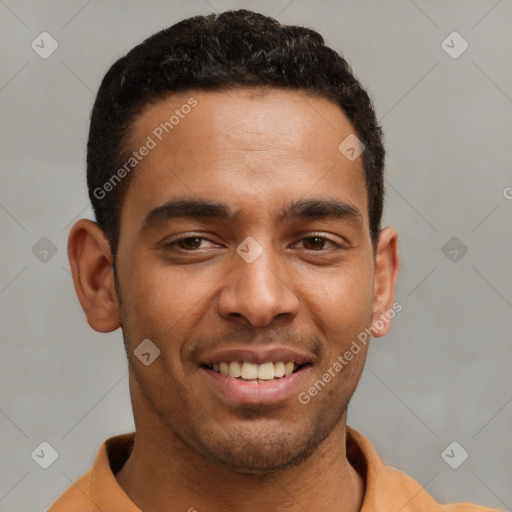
x: 244, y: 147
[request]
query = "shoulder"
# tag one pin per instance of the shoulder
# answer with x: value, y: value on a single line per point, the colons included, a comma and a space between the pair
x: 77, y: 496
x: 388, y: 488
x: 419, y: 500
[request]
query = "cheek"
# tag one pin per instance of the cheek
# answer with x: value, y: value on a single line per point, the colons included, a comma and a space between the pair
x: 340, y: 305
x: 157, y: 299
x: 341, y: 296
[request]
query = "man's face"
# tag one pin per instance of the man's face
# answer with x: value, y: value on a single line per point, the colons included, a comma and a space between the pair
x: 252, y: 286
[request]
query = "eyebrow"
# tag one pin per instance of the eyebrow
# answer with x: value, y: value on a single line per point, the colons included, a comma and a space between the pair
x: 300, y: 209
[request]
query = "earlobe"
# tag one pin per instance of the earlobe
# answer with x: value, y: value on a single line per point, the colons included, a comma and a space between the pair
x: 91, y: 261
x: 387, y: 268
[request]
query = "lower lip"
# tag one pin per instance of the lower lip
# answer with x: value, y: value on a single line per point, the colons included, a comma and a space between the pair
x: 257, y: 392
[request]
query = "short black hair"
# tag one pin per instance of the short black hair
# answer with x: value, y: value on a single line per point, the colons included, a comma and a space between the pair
x: 216, y: 52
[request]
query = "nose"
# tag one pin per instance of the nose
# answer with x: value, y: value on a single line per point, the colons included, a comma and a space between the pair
x: 258, y: 292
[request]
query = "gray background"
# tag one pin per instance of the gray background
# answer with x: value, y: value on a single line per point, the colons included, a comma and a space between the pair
x: 443, y: 373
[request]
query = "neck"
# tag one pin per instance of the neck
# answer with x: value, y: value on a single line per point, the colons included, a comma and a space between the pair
x: 185, y: 480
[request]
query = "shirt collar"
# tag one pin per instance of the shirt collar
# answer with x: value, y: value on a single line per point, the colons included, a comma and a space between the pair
x: 107, y: 494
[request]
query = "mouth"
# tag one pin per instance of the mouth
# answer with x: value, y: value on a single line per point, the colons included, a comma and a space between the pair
x: 258, y: 372
x: 255, y: 376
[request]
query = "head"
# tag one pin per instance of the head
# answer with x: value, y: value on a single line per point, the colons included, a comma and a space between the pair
x: 230, y: 218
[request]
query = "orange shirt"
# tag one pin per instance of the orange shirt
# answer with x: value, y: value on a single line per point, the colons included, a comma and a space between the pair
x: 386, y: 489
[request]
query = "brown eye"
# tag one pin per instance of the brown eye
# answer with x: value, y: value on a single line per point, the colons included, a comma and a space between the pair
x: 189, y: 243
x: 316, y: 243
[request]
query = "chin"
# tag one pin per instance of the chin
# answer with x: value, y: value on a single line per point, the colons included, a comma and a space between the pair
x: 263, y: 447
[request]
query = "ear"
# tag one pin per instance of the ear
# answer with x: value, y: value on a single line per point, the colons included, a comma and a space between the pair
x: 90, y: 258
x: 387, y: 268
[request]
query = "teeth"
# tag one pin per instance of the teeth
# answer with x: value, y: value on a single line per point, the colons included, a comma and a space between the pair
x: 279, y: 369
x: 266, y: 371
x: 249, y: 371
x: 253, y: 371
x: 235, y: 369
x: 224, y: 368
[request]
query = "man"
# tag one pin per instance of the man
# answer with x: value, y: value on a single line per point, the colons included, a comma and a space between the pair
x: 235, y: 167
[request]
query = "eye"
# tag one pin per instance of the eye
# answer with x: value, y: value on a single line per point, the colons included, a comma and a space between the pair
x: 316, y: 242
x: 189, y: 243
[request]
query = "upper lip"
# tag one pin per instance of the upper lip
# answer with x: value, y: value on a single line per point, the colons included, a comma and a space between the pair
x: 257, y: 355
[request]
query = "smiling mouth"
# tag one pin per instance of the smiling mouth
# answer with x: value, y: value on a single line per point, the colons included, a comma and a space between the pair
x: 264, y: 372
